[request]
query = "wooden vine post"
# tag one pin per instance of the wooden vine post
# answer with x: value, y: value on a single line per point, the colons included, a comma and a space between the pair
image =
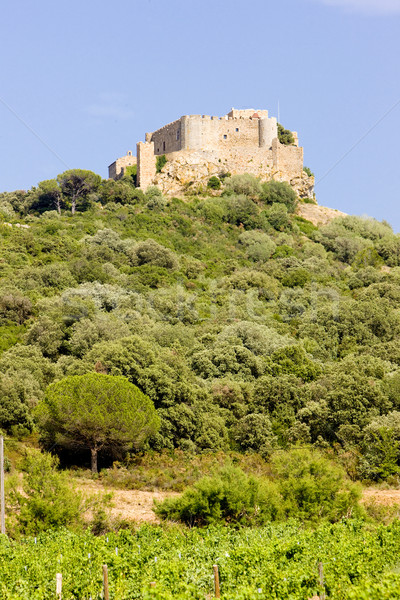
x: 105, y: 583
x: 59, y: 586
x: 216, y: 582
x: 2, y: 500
x: 321, y: 580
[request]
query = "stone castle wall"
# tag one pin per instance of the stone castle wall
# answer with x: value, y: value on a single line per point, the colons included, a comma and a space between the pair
x: 203, y: 132
x: 167, y: 139
x: 146, y: 161
x: 117, y: 169
x: 199, y: 146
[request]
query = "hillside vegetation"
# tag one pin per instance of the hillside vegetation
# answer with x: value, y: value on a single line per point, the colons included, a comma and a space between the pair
x: 249, y: 328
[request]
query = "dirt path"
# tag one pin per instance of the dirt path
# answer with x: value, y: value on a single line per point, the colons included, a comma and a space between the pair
x: 130, y: 505
x: 383, y: 497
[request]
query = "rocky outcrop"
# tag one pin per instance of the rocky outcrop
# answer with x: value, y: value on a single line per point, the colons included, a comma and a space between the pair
x: 191, y: 171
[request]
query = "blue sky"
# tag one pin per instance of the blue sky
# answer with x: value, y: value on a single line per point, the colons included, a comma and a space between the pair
x: 82, y: 81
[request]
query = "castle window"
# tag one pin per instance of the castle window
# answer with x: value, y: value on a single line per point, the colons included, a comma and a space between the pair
x: 225, y: 137
x: 178, y: 134
x: 163, y: 146
x: 237, y: 129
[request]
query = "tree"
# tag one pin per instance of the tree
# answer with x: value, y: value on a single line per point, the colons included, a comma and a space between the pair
x: 96, y: 412
x: 77, y: 184
x: 285, y: 136
x: 49, y: 196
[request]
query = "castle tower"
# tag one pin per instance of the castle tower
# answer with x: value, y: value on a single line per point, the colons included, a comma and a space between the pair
x: 267, y: 131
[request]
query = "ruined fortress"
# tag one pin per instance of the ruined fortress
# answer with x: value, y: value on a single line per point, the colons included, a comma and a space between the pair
x: 197, y: 147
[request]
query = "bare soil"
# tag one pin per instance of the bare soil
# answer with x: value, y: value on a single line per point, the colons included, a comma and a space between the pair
x: 128, y: 505
x: 382, y: 497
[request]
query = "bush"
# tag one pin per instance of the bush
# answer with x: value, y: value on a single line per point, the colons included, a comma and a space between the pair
x: 150, y: 252
x: 308, y: 171
x: 228, y: 496
x: 245, y: 184
x: 285, y: 136
x: 314, y: 487
x: 279, y: 191
x: 214, y: 183
x: 260, y: 247
x: 278, y: 216
x: 241, y: 210
x: 154, y: 197
x: 47, y: 500
x: 161, y: 161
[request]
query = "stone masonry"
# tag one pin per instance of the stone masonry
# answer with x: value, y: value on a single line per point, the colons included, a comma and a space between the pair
x: 117, y: 169
x: 198, y: 147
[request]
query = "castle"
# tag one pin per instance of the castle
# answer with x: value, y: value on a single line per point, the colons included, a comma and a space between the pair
x: 199, y: 146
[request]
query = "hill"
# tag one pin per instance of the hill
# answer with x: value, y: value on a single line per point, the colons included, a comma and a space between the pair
x: 248, y: 326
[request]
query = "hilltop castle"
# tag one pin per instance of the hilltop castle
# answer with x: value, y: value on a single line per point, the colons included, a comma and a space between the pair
x: 197, y: 147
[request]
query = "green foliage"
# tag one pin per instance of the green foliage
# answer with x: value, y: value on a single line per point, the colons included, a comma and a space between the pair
x: 15, y: 307
x: 131, y: 174
x: 278, y: 216
x: 308, y: 171
x: 260, y: 246
x: 96, y: 412
x: 285, y: 136
x: 154, y: 197
x: 313, y: 487
x: 120, y: 192
x: 221, y: 310
x: 254, y: 432
x: 243, y: 185
x: 47, y: 500
x: 214, y: 183
x: 150, y: 252
x: 76, y: 185
x: 241, y: 210
x: 281, y: 192
x: 161, y: 161
x: 304, y: 485
x: 230, y: 496
x: 276, y: 561
x: 381, y: 446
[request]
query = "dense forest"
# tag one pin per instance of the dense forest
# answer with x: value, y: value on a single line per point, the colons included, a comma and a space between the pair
x: 249, y: 328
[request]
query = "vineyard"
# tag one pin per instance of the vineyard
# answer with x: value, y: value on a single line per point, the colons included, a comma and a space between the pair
x: 279, y: 562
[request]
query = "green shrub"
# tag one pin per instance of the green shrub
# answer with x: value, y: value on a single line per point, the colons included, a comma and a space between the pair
x: 278, y: 217
x: 279, y: 191
x: 245, y: 184
x: 161, y: 161
x: 296, y: 277
x: 214, y: 183
x: 241, y: 210
x: 131, y: 174
x: 308, y: 171
x: 285, y: 136
x: 228, y: 496
x: 313, y: 487
x: 260, y: 246
x: 150, y: 252
x: 47, y: 500
x: 155, y: 198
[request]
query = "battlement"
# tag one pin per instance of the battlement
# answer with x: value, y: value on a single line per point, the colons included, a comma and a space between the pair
x: 247, y: 128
